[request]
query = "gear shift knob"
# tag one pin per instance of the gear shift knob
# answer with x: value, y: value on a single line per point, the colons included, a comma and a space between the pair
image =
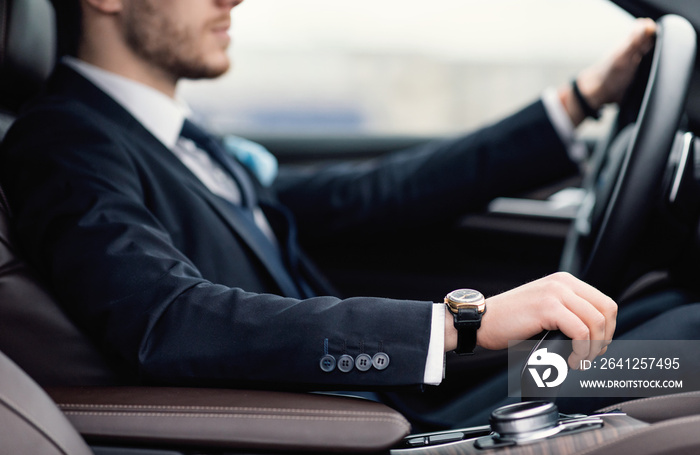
x: 524, y: 420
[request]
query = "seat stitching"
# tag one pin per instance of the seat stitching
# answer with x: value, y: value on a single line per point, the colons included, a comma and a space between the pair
x: 390, y: 419
x: 70, y: 406
x: 232, y: 416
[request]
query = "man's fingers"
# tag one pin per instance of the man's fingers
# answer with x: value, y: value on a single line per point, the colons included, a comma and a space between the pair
x: 597, y: 309
x: 584, y: 314
x: 607, y: 81
x: 594, y: 319
x: 556, y: 302
x: 580, y: 350
x: 585, y: 350
x: 641, y: 41
x: 603, y: 312
x: 647, y: 31
x: 643, y: 30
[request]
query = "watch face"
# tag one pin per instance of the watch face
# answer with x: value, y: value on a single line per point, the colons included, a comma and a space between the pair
x: 465, y: 298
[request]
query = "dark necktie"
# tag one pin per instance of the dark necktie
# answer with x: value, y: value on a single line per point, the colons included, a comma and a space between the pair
x: 267, y: 252
x: 206, y: 142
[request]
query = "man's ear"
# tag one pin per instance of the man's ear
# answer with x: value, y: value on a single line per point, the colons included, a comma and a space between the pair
x: 106, y: 6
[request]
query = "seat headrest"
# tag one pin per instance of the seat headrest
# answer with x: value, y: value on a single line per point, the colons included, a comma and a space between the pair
x: 27, y: 49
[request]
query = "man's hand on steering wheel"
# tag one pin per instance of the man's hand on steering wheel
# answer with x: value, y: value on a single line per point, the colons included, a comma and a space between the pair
x: 607, y: 80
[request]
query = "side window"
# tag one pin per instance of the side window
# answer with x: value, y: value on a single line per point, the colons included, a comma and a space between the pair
x: 386, y: 67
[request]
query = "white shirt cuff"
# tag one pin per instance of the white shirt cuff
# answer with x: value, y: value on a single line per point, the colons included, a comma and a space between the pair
x: 562, y: 125
x: 435, y: 363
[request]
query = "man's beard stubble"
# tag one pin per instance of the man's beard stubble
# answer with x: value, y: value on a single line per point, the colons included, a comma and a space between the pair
x: 165, y: 44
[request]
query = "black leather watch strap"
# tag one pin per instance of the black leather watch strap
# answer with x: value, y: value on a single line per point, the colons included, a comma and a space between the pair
x: 467, y: 321
x: 588, y: 111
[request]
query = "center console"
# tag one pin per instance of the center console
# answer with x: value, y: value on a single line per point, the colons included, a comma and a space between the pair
x: 530, y: 427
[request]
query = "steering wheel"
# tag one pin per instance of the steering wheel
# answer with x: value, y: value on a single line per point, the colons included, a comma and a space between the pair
x: 628, y: 166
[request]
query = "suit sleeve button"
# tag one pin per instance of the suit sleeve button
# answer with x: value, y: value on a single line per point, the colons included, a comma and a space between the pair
x: 380, y: 360
x: 346, y: 363
x: 363, y: 362
x: 328, y: 363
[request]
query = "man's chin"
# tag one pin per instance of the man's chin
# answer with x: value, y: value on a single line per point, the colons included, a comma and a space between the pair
x: 207, y: 71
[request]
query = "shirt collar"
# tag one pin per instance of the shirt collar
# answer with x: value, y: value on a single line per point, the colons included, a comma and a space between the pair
x: 161, y: 115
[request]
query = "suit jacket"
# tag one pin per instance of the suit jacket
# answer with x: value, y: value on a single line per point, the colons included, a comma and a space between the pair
x: 156, y: 268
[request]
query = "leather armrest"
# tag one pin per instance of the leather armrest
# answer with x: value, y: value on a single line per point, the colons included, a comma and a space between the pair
x: 231, y: 419
x: 657, y: 409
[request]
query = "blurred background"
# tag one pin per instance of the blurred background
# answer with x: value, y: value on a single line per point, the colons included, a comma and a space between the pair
x: 394, y: 67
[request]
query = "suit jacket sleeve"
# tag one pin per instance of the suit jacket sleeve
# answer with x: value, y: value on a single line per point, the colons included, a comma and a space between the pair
x: 431, y: 183
x: 81, y: 200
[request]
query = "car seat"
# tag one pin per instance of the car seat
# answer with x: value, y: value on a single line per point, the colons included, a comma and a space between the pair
x: 33, y: 327
x: 30, y: 423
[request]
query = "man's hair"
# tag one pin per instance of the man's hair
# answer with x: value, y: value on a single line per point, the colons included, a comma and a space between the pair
x: 68, y: 25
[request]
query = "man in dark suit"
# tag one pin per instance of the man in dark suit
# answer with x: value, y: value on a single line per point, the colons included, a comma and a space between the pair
x: 174, y: 257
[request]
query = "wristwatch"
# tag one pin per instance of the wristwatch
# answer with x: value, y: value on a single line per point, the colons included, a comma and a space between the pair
x: 467, y: 306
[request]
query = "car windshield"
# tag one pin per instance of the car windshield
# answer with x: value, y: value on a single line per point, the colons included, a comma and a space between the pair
x: 376, y: 67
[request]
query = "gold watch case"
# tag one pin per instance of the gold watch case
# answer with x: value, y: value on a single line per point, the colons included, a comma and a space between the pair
x: 465, y: 298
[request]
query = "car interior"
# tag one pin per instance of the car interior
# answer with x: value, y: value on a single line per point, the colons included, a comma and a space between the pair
x: 61, y: 394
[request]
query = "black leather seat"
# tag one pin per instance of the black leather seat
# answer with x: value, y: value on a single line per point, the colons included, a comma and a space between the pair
x: 26, y: 54
x: 33, y: 328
